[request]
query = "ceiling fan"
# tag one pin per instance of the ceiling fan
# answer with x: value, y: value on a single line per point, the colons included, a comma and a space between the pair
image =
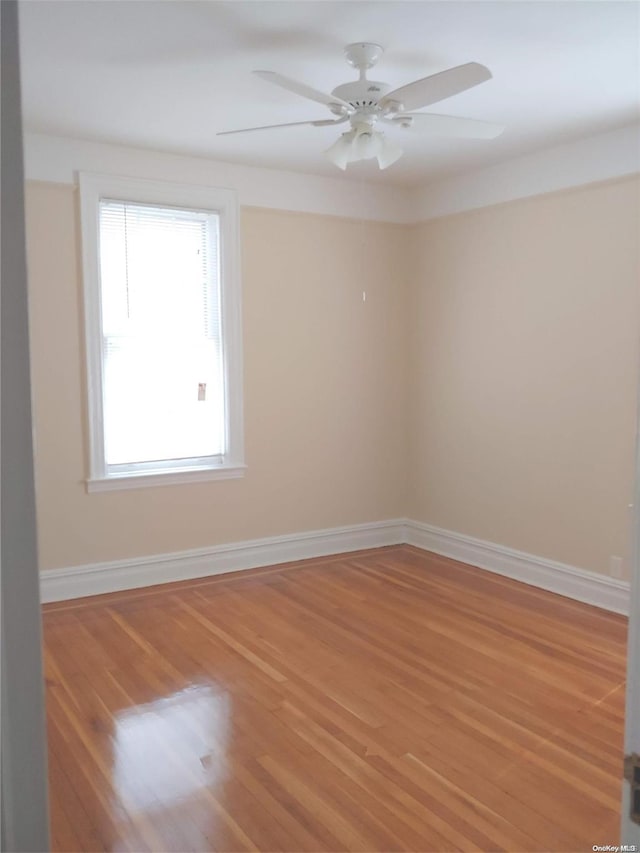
x: 366, y: 104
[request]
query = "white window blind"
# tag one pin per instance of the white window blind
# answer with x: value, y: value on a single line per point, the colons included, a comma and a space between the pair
x: 163, y: 374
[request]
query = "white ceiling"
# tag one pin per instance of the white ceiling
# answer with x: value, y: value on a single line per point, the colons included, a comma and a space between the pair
x: 168, y: 75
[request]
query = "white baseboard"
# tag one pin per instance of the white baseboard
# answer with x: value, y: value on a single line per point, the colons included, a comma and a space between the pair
x: 80, y: 581
x: 600, y: 590
x: 97, y: 578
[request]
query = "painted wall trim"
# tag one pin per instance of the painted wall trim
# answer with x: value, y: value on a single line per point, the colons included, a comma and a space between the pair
x: 80, y: 581
x: 602, y: 157
x: 592, y: 159
x: 58, y: 159
x: 600, y: 590
x: 97, y: 578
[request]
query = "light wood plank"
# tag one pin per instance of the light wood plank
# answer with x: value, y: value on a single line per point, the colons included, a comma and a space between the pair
x: 383, y: 700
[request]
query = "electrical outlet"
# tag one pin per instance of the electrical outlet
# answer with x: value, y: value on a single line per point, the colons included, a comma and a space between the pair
x: 615, y: 567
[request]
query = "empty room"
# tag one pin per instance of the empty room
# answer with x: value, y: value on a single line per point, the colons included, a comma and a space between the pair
x: 334, y: 323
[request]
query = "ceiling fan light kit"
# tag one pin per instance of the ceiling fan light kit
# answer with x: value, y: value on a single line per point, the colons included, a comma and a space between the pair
x: 363, y: 144
x: 365, y: 103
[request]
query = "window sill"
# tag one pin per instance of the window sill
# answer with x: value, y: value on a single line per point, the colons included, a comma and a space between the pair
x: 149, y: 480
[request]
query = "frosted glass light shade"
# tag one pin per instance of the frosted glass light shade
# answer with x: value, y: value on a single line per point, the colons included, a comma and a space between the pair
x: 364, y: 145
x: 341, y: 150
x: 388, y: 152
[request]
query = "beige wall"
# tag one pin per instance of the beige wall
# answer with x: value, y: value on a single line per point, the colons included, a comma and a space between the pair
x: 325, y: 391
x: 486, y: 386
x: 524, y: 322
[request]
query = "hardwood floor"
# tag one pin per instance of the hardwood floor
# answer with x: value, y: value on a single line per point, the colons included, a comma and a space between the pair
x: 384, y: 700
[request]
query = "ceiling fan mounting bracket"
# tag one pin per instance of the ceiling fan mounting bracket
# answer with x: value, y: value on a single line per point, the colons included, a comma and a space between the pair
x: 392, y: 108
x: 399, y: 121
x: 363, y: 55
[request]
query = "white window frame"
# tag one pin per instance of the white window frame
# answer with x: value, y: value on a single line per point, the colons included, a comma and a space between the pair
x: 94, y: 188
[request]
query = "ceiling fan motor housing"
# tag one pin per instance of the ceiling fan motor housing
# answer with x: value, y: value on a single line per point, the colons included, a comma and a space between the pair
x: 362, y: 93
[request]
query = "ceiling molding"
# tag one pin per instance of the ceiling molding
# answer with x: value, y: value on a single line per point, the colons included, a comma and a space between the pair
x: 58, y: 159
x: 602, y: 157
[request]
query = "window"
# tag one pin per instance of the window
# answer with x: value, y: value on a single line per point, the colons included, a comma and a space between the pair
x: 163, y: 332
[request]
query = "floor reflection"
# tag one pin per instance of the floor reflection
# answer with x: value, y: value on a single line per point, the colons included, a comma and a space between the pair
x: 171, y: 748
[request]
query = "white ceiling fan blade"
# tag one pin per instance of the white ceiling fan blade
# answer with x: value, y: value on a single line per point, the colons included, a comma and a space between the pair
x: 463, y: 128
x: 437, y: 87
x: 301, y: 89
x: 318, y: 123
